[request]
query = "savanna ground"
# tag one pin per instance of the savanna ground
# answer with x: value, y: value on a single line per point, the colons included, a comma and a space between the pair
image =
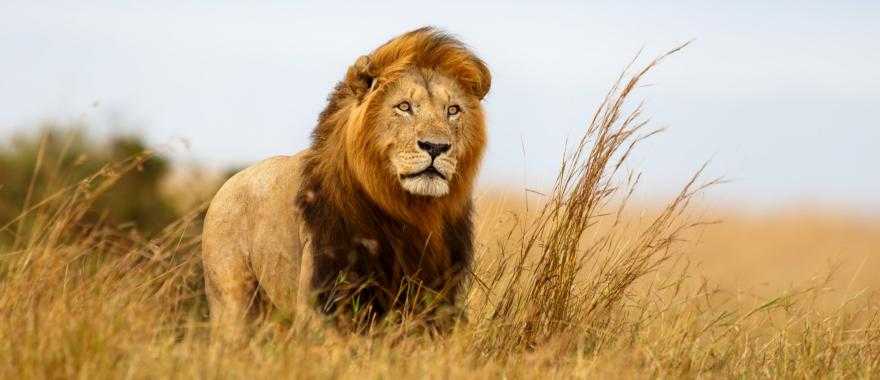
x: 100, y: 278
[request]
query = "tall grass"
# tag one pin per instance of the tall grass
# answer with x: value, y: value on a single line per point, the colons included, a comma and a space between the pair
x: 579, y: 283
x: 577, y: 287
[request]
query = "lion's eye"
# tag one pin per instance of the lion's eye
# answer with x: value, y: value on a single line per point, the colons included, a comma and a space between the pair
x: 404, y: 106
x: 453, y: 110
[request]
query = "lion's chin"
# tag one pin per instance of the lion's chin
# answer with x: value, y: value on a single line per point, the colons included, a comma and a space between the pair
x: 427, y: 185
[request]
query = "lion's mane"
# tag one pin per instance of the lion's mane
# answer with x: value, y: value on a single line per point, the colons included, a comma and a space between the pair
x: 366, y: 231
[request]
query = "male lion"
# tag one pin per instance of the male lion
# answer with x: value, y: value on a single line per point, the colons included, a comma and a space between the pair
x: 375, y: 215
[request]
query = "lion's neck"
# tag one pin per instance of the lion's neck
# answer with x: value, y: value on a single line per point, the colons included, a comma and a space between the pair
x: 336, y: 188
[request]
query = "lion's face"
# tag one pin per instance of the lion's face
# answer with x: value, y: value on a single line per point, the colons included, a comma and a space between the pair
x: 426, y: 127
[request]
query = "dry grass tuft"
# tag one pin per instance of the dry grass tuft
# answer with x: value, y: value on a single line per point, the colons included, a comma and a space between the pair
x: 579, y: 282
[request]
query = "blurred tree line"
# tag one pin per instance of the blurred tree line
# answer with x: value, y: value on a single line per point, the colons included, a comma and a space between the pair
x: 34, y: 166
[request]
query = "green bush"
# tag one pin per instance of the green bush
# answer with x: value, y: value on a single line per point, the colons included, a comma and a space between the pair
x: 36, y: 166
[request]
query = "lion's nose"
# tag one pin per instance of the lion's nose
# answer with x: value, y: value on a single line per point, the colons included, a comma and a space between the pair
x: 434, y: 149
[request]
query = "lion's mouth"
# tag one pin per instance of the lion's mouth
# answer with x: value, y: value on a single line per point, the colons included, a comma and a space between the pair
x: 430, y: 171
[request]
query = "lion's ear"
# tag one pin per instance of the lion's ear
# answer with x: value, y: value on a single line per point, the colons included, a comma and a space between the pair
x: 361, y: 77
x: 485, y: 81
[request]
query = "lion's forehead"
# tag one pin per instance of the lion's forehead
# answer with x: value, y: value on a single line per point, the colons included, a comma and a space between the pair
x: 428, y: 86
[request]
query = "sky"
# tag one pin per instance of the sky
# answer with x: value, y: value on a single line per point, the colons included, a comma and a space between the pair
x: 781, y: 97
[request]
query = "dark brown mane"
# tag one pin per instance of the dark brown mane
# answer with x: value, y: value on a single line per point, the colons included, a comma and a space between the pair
x: 362, y: 252
x: 368, y: 246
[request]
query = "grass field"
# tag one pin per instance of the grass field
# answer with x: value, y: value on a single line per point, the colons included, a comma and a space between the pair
x: 576, y: 282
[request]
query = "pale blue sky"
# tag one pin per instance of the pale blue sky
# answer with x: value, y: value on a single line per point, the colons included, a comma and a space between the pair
x: 782, y: 97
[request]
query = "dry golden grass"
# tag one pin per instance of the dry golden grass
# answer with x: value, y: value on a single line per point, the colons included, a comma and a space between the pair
x: 578, y: 284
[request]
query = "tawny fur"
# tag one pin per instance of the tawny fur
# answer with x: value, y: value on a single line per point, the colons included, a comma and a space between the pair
x: 350, y: 218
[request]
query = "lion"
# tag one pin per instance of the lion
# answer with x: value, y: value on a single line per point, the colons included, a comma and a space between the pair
x: 375, y: 216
